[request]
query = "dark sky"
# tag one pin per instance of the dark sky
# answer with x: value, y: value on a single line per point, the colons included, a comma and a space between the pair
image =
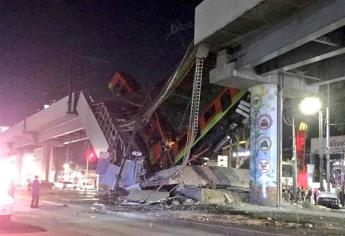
x: 37, y: 39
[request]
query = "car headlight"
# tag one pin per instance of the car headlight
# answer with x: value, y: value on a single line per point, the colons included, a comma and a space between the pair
x: 6, y: 200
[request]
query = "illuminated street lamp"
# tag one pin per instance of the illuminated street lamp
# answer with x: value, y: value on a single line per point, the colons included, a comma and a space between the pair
x: 66, y: 166
x: 89, y: 157
x: 310, y: 106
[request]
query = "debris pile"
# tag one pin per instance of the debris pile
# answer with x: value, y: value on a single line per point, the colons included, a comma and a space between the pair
x: 196, y: 185
x: 201, y: 176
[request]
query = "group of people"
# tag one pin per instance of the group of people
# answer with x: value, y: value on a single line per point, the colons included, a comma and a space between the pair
x: 307, y: 194
x: 312, y: 195
x: 303, y: 194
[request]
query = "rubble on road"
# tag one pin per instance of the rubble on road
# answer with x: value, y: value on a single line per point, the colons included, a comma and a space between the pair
x: 113, y: 198
x: 212, y: 196
x: 146, y: 197
x: 196, y: 185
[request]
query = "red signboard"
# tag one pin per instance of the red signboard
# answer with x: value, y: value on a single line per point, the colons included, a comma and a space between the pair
x: 302, y: 177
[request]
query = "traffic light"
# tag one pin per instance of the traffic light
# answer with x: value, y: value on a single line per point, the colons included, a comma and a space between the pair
x: 90, y: 155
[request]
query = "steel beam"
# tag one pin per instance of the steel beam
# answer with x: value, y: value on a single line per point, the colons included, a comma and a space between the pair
x: 316, y: 21
x: 326, y: 41
x: 335, y: 80
x: 302, y: 76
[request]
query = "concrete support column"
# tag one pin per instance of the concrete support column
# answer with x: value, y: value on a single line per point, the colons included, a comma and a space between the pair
x: 48, y: 160
x: 52, y: 168
x: 19, y: 165
x: 264, y: 145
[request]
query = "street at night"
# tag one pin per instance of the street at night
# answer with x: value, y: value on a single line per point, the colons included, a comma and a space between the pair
x: 78, y: 213
x: 57, y: 217
x: 172, y: 117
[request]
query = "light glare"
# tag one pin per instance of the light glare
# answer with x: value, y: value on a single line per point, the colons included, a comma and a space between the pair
x: 310, y: 105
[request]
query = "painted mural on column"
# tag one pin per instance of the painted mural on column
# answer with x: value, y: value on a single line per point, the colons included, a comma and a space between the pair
x: 263, y: 139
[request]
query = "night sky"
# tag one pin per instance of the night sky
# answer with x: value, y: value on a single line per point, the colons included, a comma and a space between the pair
x: 40, y: 40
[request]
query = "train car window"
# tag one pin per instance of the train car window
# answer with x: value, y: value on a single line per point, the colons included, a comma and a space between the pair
x: 210, y: 112
x: 182, y: 142
x: 226, y: 100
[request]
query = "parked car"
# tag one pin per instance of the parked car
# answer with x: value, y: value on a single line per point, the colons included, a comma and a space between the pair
x: 46, y: 185
x: 66, y: 185
x: 87, y: 184
x: 329, y: 200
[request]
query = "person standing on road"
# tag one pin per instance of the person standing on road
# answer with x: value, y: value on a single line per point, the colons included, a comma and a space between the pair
x: 302, y: 194
x: 35, y: 191
x: 342, y: 196
x: 298, y: 195
x: 316, y: 194
x: 309, y: 194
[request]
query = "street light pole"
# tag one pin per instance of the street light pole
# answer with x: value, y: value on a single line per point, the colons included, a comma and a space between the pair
x: 69, y: 102
x: 294, y: 157
x: 321, y: 148
x: 87, y: 160
x: 280, y: 137
x: 310, y: 106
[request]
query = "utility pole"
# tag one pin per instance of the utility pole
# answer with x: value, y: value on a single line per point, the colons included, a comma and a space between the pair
x: 342, y: 172
x: 321, y: 148
x: 87, y: 160
x: 69, y: 102
x: 230, y: 154
x: 280, y: 137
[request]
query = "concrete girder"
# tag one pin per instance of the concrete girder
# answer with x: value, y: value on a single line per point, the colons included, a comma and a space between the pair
x: 297, y: 30
x: 53, y: 143
x: 226, y: 74
x: 302, y: 56
x: 26, y: 139
x: 211, y: 16
x: 51, y: 116
x: 20, y: 143
x: 65, y: 128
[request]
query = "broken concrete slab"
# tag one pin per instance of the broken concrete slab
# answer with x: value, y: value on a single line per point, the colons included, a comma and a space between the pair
x: 190, y: 192
x: 211, y: 196
x: 147, y: 196
x: 201, y: 176
x: 131, y: 187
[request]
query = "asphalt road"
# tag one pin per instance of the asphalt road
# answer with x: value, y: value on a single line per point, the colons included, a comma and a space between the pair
x: 53, y: 218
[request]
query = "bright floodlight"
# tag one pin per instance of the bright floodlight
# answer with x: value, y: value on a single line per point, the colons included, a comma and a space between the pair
x: 310, y: 105
x: 66, y: 166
